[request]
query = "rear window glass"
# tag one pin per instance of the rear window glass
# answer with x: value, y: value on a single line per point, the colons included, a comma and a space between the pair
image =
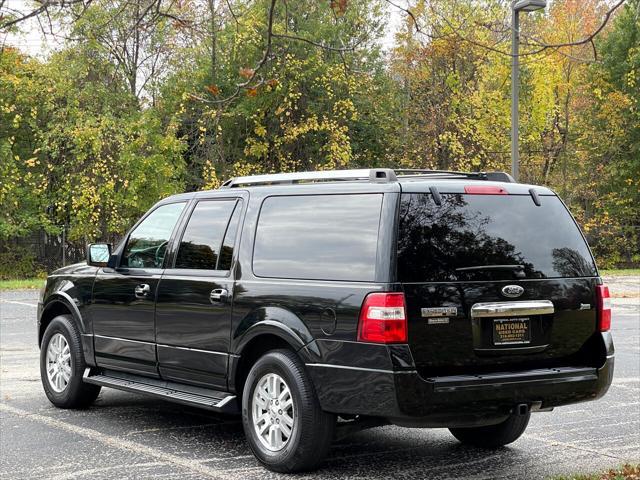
x: 324, y: 237
x: 201, y: 241
x: 488, y: 237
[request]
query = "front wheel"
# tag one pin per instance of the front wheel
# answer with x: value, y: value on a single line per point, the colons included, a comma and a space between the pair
x: 282, y: 419
x: 493, y: 436
x: 62, y: 365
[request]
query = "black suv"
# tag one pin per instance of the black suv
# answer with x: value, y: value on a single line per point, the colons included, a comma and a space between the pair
x: 318, y: 301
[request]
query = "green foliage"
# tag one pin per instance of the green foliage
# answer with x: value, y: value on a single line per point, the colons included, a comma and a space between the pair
x: 77, y: 151
x: 19, y: 262
x: 142, y: 103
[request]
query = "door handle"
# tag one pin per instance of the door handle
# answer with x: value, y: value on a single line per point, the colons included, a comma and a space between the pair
x: 218, y: 295
x: 142, y: 290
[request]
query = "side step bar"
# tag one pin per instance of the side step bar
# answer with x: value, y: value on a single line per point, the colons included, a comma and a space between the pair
x: 221, y: 402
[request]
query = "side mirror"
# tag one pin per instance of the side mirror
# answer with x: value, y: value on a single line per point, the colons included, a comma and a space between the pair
x: 98, y: 254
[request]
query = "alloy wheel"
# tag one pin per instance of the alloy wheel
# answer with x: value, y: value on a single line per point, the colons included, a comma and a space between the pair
x: 273, y: 412
x: 58, y: 363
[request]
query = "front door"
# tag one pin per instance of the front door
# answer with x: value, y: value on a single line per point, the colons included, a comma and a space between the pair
x: 123, y: 307
x: 193, y: 310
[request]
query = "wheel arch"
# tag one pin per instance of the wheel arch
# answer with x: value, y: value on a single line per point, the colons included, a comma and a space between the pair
x: 58, y: 304
x: 265, y: 330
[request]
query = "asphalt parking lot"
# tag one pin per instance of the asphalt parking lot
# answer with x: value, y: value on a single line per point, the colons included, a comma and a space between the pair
x: 130, y: 436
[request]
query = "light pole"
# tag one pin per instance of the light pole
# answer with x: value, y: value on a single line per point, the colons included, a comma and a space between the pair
x: 516, y: 7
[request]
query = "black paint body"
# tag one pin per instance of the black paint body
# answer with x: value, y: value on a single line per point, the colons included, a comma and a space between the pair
x: 446, y: 375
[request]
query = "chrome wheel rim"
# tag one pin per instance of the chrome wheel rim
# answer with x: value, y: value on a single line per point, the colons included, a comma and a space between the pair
x: 272, y: 412
x: 58, y: 363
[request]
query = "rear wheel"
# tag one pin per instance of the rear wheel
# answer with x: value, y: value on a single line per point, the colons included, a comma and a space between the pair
x: 493, y: 436
x: 282, y: 419
x: 62, y: 365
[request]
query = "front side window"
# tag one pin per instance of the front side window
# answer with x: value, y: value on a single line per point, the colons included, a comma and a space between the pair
x: 322, y: 237
x: 202, y: 241
x: 147, y: 244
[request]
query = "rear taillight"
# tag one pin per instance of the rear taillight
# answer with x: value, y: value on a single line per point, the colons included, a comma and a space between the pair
x: 383, y: 318
x: 485, y: 190
x: 604, y: 307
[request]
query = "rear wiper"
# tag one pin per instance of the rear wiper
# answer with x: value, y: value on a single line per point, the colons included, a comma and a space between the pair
x: 490, y: 267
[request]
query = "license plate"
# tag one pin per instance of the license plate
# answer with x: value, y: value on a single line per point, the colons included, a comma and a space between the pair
x: 511, y: 331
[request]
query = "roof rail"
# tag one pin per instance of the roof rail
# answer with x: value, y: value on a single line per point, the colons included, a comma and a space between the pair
x: 376, y: 175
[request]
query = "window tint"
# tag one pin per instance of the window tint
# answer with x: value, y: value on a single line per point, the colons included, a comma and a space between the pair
x: 147, y: 244
x: 226, y: 254
x: 440, y: 243
x: 201, y: 241
x: 327, y: 237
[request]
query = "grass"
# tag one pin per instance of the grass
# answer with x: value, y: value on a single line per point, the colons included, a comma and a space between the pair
x: 626, y: 472
x: 33, y: 283
x: 625, y: 272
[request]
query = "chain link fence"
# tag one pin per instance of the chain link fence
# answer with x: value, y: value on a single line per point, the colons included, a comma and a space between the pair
x: 38, y: 253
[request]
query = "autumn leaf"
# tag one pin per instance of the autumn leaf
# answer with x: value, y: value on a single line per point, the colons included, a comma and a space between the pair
x: 213, y: 89
x: 246, y: 72
x: 339, y: 6
x: 252, y: 92
x: 273, y: 83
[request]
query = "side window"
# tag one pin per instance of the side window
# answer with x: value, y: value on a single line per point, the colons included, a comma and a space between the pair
x: 202, y: 240
x: 321, y: 237
x: 226, y: 254
x: 147, y: 244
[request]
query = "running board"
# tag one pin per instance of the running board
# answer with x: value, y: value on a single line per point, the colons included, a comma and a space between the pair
x: 221, y: 402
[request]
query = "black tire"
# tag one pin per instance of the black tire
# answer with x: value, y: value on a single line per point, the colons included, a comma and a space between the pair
x: 493, y: 436
x: 312, y: 430
x: 76, y: 394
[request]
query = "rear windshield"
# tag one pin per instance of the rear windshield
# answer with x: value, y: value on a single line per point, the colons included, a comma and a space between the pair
x: 488, y: 237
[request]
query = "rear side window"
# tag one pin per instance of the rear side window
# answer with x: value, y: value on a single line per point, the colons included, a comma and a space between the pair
x: 323, y: 237
x: 488, y: 237
x: 202, y: 239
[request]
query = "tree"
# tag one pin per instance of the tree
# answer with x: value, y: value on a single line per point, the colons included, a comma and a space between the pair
x: 87, y: 158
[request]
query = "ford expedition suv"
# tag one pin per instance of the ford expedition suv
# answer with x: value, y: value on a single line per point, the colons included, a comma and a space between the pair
x: 318, y: 301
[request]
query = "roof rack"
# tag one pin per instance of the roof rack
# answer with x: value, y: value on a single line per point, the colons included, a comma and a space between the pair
x: 377, y: 175
x: 374, y: 175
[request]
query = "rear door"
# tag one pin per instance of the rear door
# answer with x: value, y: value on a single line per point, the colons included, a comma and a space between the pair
x: 494, y: 282
x: 193, y: 311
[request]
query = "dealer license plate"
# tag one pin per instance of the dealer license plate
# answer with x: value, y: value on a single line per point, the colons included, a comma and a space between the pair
x: 511, y: 331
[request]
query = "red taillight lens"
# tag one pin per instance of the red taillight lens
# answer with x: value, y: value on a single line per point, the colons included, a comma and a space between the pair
x: 485, y: 190
x: 604, y: 307
x: 383, y: 318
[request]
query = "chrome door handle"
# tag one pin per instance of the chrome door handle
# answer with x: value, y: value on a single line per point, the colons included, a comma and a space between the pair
x: 218, y: 295
x: 142, y: 290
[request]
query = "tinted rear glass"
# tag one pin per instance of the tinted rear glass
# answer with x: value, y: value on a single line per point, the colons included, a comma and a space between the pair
x: 201, y: 241
x: 442, y: 242
x: 325, y: 237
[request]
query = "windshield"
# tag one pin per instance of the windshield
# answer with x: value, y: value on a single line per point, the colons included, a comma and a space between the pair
x: 488, y: 237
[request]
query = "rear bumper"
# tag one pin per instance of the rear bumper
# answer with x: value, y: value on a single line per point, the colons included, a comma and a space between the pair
x: 405, y: 398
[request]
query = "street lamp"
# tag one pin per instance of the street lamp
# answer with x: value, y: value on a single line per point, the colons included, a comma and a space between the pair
x: 517, y: 7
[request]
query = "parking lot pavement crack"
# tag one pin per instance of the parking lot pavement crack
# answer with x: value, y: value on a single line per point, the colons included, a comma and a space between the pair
x: 115, y: 442
x: 571, y: 445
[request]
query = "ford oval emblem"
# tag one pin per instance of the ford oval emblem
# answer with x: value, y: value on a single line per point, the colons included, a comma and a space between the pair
x: 512, y: 291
